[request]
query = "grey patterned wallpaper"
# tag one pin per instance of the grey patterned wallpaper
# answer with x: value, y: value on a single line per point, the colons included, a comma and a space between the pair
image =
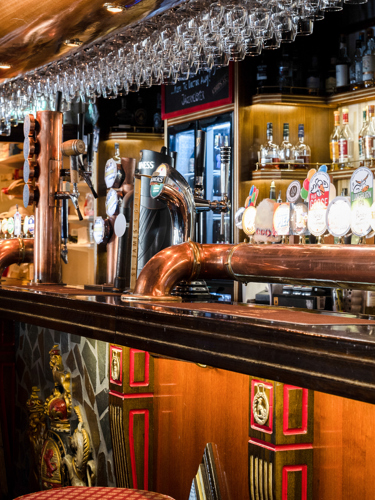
x: 87, y: 360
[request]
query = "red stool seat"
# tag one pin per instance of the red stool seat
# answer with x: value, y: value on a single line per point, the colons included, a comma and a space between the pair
x: 94, y: 493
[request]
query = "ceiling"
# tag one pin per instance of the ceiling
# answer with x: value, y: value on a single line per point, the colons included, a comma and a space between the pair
x: 32, y: 32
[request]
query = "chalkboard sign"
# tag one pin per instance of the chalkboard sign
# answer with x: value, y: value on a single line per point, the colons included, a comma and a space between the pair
x: 204, y: 90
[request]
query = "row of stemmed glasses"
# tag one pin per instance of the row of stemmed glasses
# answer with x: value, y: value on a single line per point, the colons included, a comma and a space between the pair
x: 173, y: 46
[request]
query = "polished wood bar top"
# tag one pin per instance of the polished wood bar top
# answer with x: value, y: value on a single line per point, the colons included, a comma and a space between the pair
x: 333, y: 353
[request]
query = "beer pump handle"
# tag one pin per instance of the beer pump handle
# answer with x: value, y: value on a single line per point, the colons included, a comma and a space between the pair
x: 74, y: 178
x: 86, y: 174
x: 64, y: 230
x: 58, y: 100
x: 87, y: 178
x: 200, y: 155
x: 74, y: 147
x: 90, y: 150
x: 81, y: 126
x: 174, y: 158
x: 74, y: 166
x: 225, y: 153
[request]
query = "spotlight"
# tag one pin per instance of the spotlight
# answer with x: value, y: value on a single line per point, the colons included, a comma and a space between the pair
x: 4, y: 65
x: 114, y: 8
x: 73, y: 42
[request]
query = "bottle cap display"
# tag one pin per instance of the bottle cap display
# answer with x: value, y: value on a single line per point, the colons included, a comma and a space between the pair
x: 338, y: 216
x: 111, y: 203
x: 361, y: 199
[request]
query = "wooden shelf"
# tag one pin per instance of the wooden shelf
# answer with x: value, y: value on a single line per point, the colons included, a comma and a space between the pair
x: 275, y: 174
x: 353, y: 97
x: 12, y: 161
x: 290, y: 100
x: 135, y: 136
x: 346, y: 173
x: 332, y: 101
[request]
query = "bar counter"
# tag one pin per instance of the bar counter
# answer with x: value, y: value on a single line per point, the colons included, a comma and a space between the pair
x: 328, y: 352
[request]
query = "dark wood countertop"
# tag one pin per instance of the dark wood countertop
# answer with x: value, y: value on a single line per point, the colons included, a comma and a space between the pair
x: 303, y: 350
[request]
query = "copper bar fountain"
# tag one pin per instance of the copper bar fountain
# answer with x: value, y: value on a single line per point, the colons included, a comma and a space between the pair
x: 318, y: 265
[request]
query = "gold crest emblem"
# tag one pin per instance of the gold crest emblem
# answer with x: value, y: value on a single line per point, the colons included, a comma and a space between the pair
x: 261, y: 407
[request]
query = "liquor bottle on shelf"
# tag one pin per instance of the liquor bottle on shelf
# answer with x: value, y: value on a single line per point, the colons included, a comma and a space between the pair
x: 330, y: 83
x: 334, y: 139
x: 358, y: 62
x: 343, y: 64
x: 361, y: 148
x: 270, y: 152
x: 273, y: 191
x: 346, y: 141
x: 286, y: 148
x: 368, y: 60
x: 302, y: 152
x: 369, y: 134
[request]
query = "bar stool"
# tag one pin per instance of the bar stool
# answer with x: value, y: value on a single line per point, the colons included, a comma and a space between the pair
x: 94, y: 493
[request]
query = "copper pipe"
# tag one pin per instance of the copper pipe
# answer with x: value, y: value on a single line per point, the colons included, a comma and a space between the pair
x: 47, y: 264
x: 15, y: 251
x: 319, y: 265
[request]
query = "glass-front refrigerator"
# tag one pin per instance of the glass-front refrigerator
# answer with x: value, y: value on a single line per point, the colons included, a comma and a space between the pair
x: 210, y: 227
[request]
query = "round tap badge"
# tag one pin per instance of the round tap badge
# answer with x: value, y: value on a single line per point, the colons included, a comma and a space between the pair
x: 298, y: 219
x: 26, y: 225
x: 338, y: 216
x: 110, y: 172
x: 318, y: 203
x: 248, y: 220
x: 293, y: 191
x: 17, y: 224
x: 238, y: 217
x: 158, y: 179
x: 31, y: 224
x: 120, y: 225
x: 281, y: 219
x: 98, y: 230
x: 4, y: 226
x: 111, y: 203
x: 361, y: 199
x: 10, y: 226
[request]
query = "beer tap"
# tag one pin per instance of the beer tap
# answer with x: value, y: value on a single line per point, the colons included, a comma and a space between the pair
x: 218, y: 206
x: 224, y: 203
x: 86, y: 174
x: 73, y: 149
